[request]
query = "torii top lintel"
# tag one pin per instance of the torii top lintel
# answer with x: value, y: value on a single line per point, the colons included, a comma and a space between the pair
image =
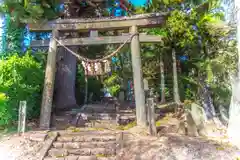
x: 143, y: 21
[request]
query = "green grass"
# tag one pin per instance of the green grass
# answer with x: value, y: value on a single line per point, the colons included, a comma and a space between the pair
x: 128, y: 126
x: 158, y: 123
x: 8, y: 131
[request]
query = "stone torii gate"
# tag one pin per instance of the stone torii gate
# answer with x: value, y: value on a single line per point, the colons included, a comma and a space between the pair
x: 105, y: 24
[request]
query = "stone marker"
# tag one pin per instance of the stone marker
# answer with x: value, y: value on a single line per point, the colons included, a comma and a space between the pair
x: 121, y: 96
x: 199, y: 118
x: 193, y: 122
x: 145, y: 84
x: 22, y: 117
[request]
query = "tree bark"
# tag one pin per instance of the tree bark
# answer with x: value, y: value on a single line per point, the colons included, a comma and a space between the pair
x: 64, y: 97
x: 207, y: 101
x: 234, y: 110
x: 65, y: 79
x: 175, y: 78
x: 86, y: 89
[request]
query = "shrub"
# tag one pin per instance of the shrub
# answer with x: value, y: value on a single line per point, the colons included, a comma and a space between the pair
x: 21, y: 78
x: 5, y: 112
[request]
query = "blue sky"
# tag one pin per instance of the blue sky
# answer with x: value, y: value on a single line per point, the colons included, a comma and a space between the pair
x: 138, y: 3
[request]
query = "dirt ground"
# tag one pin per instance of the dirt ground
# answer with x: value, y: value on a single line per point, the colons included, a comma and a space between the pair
x: 14, y: 147
x: 176, y: 147
x: 136, y: 147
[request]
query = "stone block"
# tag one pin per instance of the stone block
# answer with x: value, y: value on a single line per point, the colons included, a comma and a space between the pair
x: 57, y: 152
x: 81, y: 151
x: 72, y: 145
x: 65, y: 139
x: 58, y: 145
x: 72, y: 158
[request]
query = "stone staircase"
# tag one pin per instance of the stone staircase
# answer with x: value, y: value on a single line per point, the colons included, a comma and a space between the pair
x: 94, y: 115
x: 84, y: 145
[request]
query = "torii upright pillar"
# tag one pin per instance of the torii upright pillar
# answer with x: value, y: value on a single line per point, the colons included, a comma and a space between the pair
x: 47, y: 97
x: 138, y: 79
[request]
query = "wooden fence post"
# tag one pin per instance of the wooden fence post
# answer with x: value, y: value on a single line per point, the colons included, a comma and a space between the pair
x: 138, y: 79
x: 47, y: 98
x: 22, y: 117
x: 151, y: 115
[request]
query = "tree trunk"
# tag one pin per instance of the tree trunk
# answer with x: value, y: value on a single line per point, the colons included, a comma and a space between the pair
x: 65, y: 79
x: 175, y: 78
x: 234, y: 110
x: 86, y: 89
x: 234, y: 114
x: 207, y: 101
x: 64, y: 97
x: 163, y: 100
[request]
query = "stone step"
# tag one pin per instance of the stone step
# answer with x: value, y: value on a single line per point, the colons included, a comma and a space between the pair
x: 54, y: 152
x: 78, y: 145
x: 99, y: 116
x: 99, y: 111
x: 86, y: 131
x: 81, y: 158
x: 86, y: 138
x: 111, y: 115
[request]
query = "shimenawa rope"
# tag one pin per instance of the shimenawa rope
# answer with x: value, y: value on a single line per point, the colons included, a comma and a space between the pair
x: 81, y: 58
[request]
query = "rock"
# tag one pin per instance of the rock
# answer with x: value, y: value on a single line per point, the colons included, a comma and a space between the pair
x: 87, y: 158
x: 58, y: 145
x: 79, y: 139
x: 191, y: 126
x: 38, y: 137
x: 181, y: 128
x: 75, y: 158
x: 199, y: 118
x: 57, y: 152
x: 103, y: 151
x: 198, y: 114
x: 51, y: 158
x: 65, y: 139
x: 91, y: 151
x: 71, y: 145
x: 187, y: 125
x: 145, y: 84
x: 98, y: 144
x: 90, y: 138
x: 32, y: 124
x: 121, y: 96
x: 72, y: 158
x: 106, y: 158
x: 81, y: 151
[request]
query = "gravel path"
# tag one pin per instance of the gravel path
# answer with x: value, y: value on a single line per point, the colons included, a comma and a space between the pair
x: 176, y: 147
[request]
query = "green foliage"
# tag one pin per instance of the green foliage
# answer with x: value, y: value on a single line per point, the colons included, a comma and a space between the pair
x: 21, y: 78
x: 94, y: 85
x: 14, y: 37
x: 204, y: 38
x: 5, y: 112
x: 29, y: 11
x: 113, y: 83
